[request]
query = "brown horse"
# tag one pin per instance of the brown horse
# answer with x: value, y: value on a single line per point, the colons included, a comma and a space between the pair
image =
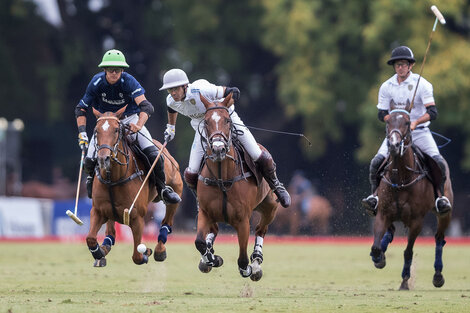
x: 119, y: 176
x: 406, y: 194
x: 315, y: 221
x: 227, y: 192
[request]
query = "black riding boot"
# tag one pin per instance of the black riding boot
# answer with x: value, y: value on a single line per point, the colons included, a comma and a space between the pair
x: 442, y: 202
x: 167, y: 193
x: 268, y: 169
x: 89, y: 166
x: 370, y: 203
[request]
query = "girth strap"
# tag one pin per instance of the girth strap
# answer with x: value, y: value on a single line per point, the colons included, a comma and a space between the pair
x: 117, y: 182
x: 226, y: 183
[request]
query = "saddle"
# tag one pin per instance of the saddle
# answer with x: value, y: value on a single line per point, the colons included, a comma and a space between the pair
x: 140, y: 155
x: 248, y: 161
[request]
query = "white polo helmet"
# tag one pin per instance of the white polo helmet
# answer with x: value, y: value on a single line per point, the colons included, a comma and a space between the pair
x: 174, y: 78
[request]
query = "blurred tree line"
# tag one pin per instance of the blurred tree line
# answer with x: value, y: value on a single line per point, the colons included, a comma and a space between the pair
x: 303, y: 66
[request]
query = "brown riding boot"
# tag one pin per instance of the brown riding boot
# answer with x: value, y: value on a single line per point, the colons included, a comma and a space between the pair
x: 268, y: 169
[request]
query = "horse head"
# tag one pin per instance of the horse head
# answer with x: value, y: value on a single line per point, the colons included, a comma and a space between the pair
x: 398, y: 128
x: 108, y: 134
x: 218, y: 127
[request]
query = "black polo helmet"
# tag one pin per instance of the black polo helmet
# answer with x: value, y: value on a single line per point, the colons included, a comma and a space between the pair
x: 401, y: 53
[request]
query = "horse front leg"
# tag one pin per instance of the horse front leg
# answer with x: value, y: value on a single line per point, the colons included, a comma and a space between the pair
x: 243, y: 232
x: 414, y: 231
x: 377, y: 254
x: 165, y: 230
x: 109, y: 240
x: 206, y: 233
x: 442, y: 224
x: 137, y: 227
x: 96, y: 220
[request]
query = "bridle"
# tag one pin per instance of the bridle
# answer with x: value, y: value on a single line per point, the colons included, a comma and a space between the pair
x: 115, y: 150
x: 403, y: 137
x: 218, y: 137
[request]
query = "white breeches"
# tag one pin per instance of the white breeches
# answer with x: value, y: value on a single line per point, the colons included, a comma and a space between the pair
x: 246, y: 139
x: 143, y: 137
x: 422, y: 138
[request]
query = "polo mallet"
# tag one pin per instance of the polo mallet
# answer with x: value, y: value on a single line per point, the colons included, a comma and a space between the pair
x: 440, y: 18
x: 68, y: 212
x: 127, y: 212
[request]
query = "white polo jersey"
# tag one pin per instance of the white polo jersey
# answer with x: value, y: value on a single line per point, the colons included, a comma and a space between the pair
x: 192, y: 106
x: 400, y: 93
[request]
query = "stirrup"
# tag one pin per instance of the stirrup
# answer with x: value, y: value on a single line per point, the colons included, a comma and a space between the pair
x: 169, y: 195
x: 442, y: 205
x: 370, y: 204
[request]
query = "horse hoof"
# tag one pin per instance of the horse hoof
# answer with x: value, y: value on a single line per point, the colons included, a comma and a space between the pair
x: 203, y: 267
x: 256, y: 271
x: 100, y: 262
x: 218, y: 262
x: 380, y: 264
x: 247, y: 272
x: 404, y: 284
x: 438, y: 280
x: 160, y: 256
x: 148, y: 252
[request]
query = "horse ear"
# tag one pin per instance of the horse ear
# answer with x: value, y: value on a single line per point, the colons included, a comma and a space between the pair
x: 97, y: 113
x: 393, y: 105
x: 408, y: 105
x: 120, y: 111
x: 226, y: 103
x: 206, y: 102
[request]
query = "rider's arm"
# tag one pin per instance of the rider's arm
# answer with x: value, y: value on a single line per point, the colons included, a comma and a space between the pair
x: 172, y: 117
x: 431, y: 113
x: 383, y: 115
x: 146, y: 109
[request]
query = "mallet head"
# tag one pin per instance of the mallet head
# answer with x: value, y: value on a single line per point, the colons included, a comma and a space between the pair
x: 438, y: 14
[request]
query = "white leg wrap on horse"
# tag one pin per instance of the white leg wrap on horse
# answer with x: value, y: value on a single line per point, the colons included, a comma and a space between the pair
x: 210, y: 238
x: 259, y: 244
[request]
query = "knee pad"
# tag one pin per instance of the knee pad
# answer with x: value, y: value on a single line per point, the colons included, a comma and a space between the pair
x: 190, y: 178
x: 376, y: 162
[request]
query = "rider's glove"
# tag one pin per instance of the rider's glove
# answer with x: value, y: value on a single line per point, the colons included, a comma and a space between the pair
x: 235, y: 92
x: 83, y: 140
x: 169, y: 132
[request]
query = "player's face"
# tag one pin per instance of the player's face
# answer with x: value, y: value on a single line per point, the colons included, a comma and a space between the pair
x: 402, y: 68
x: 177, y: 93
x: 113, y: 74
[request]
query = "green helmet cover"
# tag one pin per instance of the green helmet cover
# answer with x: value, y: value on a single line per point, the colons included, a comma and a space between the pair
x: 113, y: 58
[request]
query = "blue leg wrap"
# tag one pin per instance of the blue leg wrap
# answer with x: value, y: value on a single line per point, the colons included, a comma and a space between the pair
x: 408, y: 256
x: 438, y: 255
x: 164, y: 231
x: 97, y: 252
x: 108, y: 241
x: 386, y: 240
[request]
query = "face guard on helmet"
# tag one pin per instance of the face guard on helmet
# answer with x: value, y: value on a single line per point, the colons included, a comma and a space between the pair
x: 174, y: 78
x: 113, y: 58
x: 401, y: 53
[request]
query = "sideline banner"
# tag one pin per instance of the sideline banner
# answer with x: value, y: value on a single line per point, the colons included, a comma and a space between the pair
x: 21, y: 217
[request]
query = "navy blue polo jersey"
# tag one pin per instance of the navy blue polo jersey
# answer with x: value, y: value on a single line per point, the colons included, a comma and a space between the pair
x: 109, y: 98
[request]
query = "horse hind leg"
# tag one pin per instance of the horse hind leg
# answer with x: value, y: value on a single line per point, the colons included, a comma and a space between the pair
x: 442, y: 224
x: 415, y: 229
x: 256, y: 259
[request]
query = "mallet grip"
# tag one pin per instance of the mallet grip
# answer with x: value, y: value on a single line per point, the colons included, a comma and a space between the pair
x: 438, y: 14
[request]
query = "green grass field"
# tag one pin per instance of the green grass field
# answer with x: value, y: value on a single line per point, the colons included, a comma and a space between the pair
x: 59, y: 277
